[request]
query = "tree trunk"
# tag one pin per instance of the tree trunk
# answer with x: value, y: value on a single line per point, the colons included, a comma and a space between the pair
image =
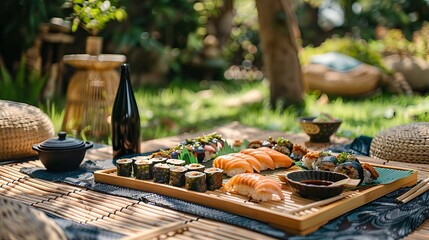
x: 278, y: 28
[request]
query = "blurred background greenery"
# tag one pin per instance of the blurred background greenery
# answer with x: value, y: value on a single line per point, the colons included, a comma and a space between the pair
x: 197, y: 64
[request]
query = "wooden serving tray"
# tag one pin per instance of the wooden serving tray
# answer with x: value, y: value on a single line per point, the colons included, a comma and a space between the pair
x: 285, y: 214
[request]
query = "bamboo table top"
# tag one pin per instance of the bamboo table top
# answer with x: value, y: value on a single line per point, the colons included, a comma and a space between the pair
x: 137, y: 219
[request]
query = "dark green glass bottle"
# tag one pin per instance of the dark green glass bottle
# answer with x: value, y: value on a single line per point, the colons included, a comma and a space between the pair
x: 125, y: 118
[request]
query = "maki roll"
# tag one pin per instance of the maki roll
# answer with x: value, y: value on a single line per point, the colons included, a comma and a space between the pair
x: 214, y: 178
x: 177, y: 176
x: 124, y: 167
x: 308, y: 159
x: 195, y: 181
x: 143, y: 169
x: 327, y: 163
x: 353, y: 169
x: 161, y: 173
x: 369, y: 173
x: 158, y: 159
x: 319, y: 159
x: 176, y: 162
x: 195, y: 167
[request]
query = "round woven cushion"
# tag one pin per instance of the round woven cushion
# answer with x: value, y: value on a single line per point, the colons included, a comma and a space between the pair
x: 21, y: 126
x: 19, y: 221
x: 404, y: 143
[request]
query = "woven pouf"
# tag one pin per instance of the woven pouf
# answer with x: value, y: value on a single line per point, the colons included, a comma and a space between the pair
x: 19, y: 221
x: 404, y: 143
x: 21, y: 126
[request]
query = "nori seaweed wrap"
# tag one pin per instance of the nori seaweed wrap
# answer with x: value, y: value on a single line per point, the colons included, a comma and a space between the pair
x: 327, y: 163
x: 353, y: 169
x: 143, y: 169
x: 176, y: 162
x: 195, y: 167
x: 124, y: 167
x: 161, y: 173
x: 177, y: 176
x: 214, y: 177
x: 195, y: 181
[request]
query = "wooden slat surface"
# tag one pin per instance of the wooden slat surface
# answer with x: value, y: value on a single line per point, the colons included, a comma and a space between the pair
x: 115, y: 210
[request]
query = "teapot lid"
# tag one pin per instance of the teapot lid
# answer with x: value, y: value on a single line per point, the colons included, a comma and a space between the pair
x: 61, y: 143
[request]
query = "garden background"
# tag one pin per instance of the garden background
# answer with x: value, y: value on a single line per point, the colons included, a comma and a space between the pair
x: 199, y: 64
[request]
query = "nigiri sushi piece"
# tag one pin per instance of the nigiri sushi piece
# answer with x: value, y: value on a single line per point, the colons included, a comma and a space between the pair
x: 254, y: 185
x: 232, y: 165
x: 279, y: 159
x: 308, y: 159
x: 298, y: 152
x: 263, y: 157
x: 254, y: 162
x: 369, y: 173
x: 237, y: 167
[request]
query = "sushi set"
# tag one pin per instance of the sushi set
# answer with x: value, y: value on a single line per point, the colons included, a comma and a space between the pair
x: 249, y: 181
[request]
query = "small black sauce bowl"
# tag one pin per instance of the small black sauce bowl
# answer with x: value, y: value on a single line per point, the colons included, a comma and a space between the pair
x: 62, y: 154
x: 309, y: 190
x: 319, y: 132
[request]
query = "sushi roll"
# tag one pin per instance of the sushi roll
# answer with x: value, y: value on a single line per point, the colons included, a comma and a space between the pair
x: 161, y: 173
x: 353, y: 169
x: 177, y: 176
x: 327, y: 163
x: 369, y: 173
x: 124, y: 167
x: 158, y: 159
x: 143, y: 169
x: 319, y: 159
x: 308, y: 159
x: 195, y: 167
x: 214, y: 178
x: 195, y: 181
x: 176, y: 162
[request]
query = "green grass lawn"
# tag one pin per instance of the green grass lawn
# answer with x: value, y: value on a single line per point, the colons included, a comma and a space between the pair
x: 178, y: 109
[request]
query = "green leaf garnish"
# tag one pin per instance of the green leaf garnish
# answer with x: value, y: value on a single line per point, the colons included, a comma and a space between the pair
x: 227, y: 149
x: 187, y: 156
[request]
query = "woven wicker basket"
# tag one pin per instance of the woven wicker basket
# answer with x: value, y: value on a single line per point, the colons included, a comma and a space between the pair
x: 21, y: 126
x: 19, y: 221
x: 404, y: 143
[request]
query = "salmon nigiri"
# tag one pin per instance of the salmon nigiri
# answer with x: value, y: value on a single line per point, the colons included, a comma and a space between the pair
x: 254, y: 185
x: 280, y: 159
x: 263, y: 157
x: 254, y: 162
x: 232, y: 165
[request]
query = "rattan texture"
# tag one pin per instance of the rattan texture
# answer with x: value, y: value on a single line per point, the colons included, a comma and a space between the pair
x: 19, y: 221
x: 404, y: 143
x: 21, y: 126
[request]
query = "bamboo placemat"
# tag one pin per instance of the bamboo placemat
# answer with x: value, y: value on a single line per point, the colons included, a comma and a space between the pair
x: 117, y: 214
